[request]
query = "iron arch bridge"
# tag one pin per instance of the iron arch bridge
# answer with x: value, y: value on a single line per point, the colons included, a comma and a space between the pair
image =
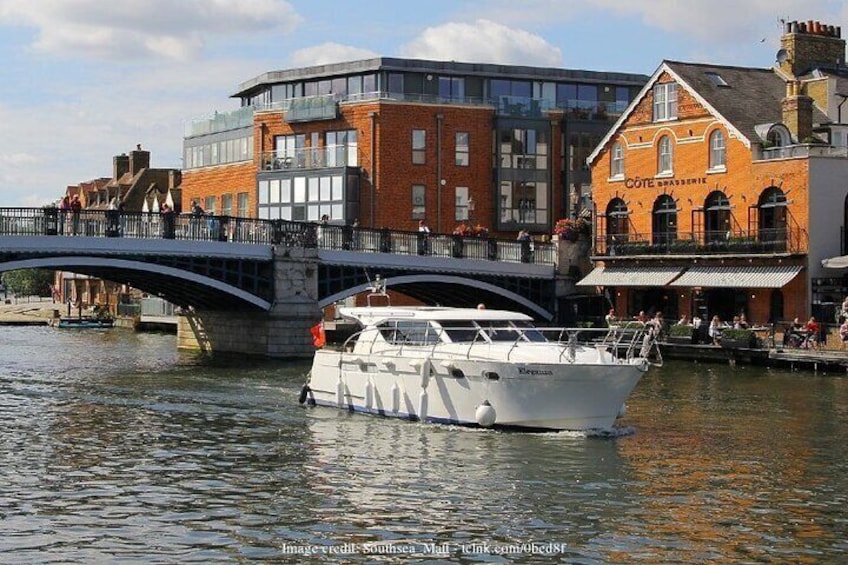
x: 227, y: 263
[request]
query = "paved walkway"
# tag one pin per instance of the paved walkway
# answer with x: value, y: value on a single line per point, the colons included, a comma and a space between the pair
x: 27, y: 310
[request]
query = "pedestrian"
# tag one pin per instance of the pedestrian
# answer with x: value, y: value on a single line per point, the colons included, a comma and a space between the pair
x: 76, y: 208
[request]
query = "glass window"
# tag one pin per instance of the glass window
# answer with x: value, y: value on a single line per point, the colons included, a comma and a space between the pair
x: 419, y: 146
x: 243, y: 204
x: 665, y: 101
x: 395, y: 83
x: 314, y: 195
x: 665, y: 154
x: 419, y: 208
x: 209, y: 204
x: 274, y: 196
x: 717, y: 217
x: 263, y: 192
x: 226, y: 204
x: 461, y: 206
x: 566, y: 96
x: 299, y: 190
x: 462, y: 149
x: 618, y: 221
x: 617, y: 160
x: 717, y: 150
x: 664, y: 222
x: 285, y: 191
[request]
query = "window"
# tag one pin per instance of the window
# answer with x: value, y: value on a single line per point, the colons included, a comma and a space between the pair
x: 717, y: 217
x: 773, y: 216
x: 461, y: 208
x: 617, y: 160
x: 523, y: 202
x: 664, y: 220
x: 209, y: 205
x: 419, y: 202
x: 523, y: 148
x: 462, y: 149
x: 618, y: 222
x: 665, y: 155
x: 419, y: 147
x: 341, y: 148
x: 243, y: 205
x: 717, y: 150
x: 665, y: 101
x: 452, y: 88
x: 227, y: 205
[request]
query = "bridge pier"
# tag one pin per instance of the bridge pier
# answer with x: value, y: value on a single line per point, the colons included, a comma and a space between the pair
x: 282, y: 332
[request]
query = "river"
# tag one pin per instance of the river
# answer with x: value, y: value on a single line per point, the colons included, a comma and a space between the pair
x: 116, y: 448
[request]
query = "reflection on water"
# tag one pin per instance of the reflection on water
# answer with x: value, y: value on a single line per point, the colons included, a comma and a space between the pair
x: 115, y: 447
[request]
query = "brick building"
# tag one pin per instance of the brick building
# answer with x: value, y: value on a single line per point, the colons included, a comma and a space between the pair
x: 721, y: 189
x: 389, y: 142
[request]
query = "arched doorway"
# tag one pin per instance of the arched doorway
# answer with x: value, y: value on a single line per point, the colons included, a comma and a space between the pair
x: 664, y: 220
x: 716, y: 217
x: 771, y: 226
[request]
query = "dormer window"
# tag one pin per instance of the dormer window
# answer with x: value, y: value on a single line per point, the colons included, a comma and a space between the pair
x: 776, y: 138
x: 665, y: 101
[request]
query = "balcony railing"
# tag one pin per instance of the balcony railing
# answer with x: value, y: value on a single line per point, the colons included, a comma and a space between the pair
x: 323, y: 105
x: 310, y: 158
x: 766, y: 242
x: 804, y: 150
x: 220, y: 121
x: 112, y: 223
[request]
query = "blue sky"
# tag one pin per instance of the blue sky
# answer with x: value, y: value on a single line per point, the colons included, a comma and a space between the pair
x: 84, y: 80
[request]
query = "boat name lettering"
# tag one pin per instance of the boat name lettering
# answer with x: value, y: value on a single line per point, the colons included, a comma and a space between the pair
x: 525, y: 371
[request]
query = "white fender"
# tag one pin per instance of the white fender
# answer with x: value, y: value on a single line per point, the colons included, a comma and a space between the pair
x: 425, y: 373
x: 395, y: 398
x: 485, y: 414
x: 422, y: 406
x: 369, y: 394
x: 340, y: 390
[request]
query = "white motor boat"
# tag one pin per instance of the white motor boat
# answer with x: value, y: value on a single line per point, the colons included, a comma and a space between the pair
x: 481, y: 367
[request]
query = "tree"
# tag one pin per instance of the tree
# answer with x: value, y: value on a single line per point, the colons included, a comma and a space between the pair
x: 28, y: 282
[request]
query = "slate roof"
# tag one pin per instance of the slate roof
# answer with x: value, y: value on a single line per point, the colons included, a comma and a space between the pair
x: 752, y: 96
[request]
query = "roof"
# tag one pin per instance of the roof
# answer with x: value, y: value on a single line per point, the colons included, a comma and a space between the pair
x: 376, y: 314
x: 773, y: 276
x: 745, y: 97
x: 630, y: 276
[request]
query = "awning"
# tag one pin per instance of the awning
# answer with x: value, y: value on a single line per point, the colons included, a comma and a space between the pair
x: 835, y: 262
x: 738, y: 277
x: 630, y: 276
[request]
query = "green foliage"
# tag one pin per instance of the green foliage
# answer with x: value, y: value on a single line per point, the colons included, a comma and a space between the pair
x: 680, y: 330
x: 28, y: 282
x: 738, y: 335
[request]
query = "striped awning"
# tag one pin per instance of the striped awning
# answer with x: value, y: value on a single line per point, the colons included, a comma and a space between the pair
x: 776, y: 276
x: 630, y: 276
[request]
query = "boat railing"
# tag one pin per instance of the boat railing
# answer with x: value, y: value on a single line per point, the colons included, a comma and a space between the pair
x: 633, y: 340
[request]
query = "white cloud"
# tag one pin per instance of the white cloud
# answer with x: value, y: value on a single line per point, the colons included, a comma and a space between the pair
x: 327, y: 53
x: 483, y: 41
x: 143, y: 28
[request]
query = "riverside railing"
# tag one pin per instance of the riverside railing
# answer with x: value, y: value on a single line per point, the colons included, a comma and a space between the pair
x: 153, y: 225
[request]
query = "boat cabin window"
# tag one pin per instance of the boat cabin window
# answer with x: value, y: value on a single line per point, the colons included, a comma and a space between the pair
x: 499, y: 330
x: 530, y: 332
x: 459, y: 331
x: 409, y: 332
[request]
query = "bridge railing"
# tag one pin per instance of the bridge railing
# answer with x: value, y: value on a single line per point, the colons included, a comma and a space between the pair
x: 152, y: 225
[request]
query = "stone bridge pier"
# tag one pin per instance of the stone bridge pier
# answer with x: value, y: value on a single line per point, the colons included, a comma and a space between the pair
x: 282, y: 332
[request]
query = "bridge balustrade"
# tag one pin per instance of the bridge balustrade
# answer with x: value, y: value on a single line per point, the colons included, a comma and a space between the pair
x: 52, y: 221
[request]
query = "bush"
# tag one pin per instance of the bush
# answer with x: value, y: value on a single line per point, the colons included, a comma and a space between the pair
x: 742, y: 338
x: 681, y: 330
x: 571, y: 230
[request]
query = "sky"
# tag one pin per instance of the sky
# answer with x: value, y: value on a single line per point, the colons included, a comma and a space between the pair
x: 84, y: 80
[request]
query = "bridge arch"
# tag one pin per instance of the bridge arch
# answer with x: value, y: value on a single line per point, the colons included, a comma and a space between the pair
x: 406, y: 284
x: 181, y: 287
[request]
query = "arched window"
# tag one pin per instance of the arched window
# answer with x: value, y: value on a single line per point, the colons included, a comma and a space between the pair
x: 776, y: 138
x: 618, y: 220
x: 718, y: 153
x: 664, y: 220
x: 617, y: 160
x: 664, y: 156
x: 772, y: 218
x: 716, y: 217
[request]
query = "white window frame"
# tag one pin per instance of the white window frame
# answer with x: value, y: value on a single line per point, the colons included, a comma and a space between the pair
x: 617, y: 161
x: 665, y: 101
x: 718, y: 151
x: 665, y: 156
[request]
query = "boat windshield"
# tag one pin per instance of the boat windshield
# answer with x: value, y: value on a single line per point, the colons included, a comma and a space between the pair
x: 460, y: 331
x: 507, y: 330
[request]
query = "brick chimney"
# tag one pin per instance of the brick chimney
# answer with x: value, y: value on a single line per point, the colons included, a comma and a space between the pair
x: 807, y: 45
x: 797, y: 111
x: 139, y: 159
x: 120, y: 165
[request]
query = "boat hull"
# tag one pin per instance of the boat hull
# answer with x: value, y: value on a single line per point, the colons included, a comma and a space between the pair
x: 543, y: 396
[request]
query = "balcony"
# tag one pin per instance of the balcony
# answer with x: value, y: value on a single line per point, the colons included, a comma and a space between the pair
x: 220, y: 121
x: 804, y: 150
x: 326, y: 157
x: 757, y: 242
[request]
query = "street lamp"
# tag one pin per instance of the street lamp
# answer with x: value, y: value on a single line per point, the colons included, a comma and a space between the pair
x: 471, y: 205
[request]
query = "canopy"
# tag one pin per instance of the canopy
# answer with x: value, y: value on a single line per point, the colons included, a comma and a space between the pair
x: 630, y: 276
x: 743, y: 276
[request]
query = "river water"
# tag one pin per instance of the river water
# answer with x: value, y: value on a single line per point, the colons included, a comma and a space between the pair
x: 116, y: 448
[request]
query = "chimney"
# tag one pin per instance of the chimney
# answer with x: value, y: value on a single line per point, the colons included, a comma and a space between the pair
x: 139, y: 159
x: 174, y: 179
x: 797, y: 111
x: 808, y: 45
x: 120, y: 166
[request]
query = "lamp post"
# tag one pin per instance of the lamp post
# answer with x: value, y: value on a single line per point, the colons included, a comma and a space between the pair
x: 471, y: 205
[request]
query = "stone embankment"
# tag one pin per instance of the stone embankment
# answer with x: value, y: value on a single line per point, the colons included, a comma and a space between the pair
x: 30, y: 311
